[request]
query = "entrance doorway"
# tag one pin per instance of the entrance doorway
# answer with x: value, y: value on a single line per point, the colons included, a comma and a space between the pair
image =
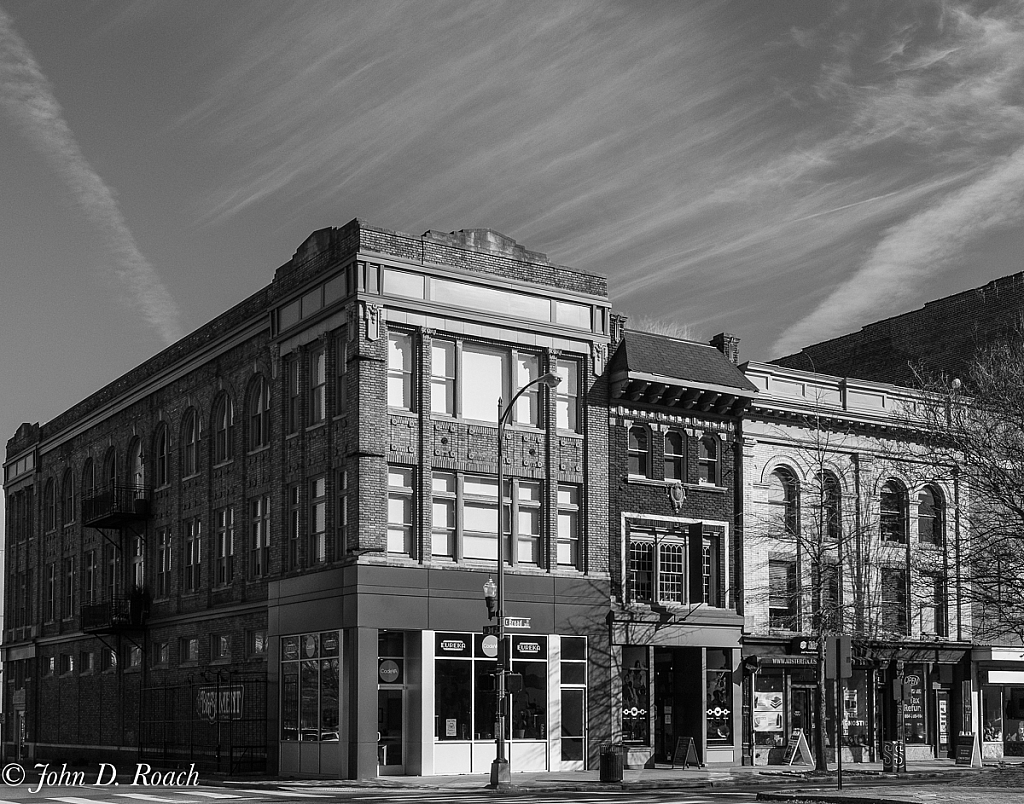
x: 802, y: 713
x: 390, y: 731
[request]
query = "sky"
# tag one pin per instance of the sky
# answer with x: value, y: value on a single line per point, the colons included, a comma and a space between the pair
x: 787, y: 171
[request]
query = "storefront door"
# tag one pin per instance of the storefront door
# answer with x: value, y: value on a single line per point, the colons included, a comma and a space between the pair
x: 390, y: 731
x: 803, y: 712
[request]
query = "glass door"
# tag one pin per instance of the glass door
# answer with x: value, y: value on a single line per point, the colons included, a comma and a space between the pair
x: 390, y: 731
x: 802, y: 714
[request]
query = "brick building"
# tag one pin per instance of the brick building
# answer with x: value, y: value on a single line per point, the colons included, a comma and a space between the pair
x: 674, y: 486
x: 940, y: 338
x: 265, y: 547
x: 849, y: 528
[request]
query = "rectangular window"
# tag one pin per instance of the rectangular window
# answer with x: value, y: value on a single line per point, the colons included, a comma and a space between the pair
x: 341, y: 516
x: 189, y: 647
x: 527, y: 520
x: 480, y: 517
x: 641, y: 570
x: 256, y: 643
x: 443, y: 533
x: 400, y: 370
x: 220, y: 647
x: 568, y: 549
x: 161, y: 654
x: 317, y: 552
x: 567, y: 395
x: 400, y: 510
x: 224, y: 545
x: 67, y: 663
x: 138, y: 559
x: 783, y: 595
x: 894, y: 599
x: 488, y: 369
x: 293, y: 395
x: 293, y: 527
x: 89, y: 588
x: 108, y: 660
x: 310, y: 688
x: 259, y: 536
x: 341, y: 373
x: 51, y: 592
x: 317, y: 385
x: 940, y: 608
x: 675, y: 455
x: 193, y: 555
x: 112, y: 559
x: 134, y: 657
x: 442, y: 378
x: 671, y: 569
x: 527, y: 369
x: 163, y: 562
x: 70, y: 582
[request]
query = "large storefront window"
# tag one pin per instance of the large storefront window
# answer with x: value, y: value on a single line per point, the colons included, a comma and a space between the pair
x: 464, y: 688
x: 915, y: 725
x: 719, y: 696
x: 769, y: 709
x: 310, y: 687
x: 636, y: 703
x: 856, y: 703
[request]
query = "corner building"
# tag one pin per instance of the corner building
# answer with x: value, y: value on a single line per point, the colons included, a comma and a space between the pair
x: 264, y: 549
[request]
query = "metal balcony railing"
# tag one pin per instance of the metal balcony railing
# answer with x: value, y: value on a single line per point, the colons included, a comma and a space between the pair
x: 115, y: 506
x: 120, y: 614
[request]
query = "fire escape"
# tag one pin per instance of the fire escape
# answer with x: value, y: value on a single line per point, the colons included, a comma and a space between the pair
x: 120, y: 512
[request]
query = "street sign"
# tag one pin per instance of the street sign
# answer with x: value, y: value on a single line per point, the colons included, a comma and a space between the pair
x: 517, y: 622
x: 492, y: 630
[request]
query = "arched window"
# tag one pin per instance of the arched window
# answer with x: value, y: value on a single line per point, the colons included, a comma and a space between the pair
x: 68, y: 499
x: 782, y: 497
x: 258, y: 406
x: 675, y: 462
x: 88, y: 479
x: 49, y: 506
x: 136, y: 464
x: 892, y: 513
x: 161, y: 461
x: 708, y: 460
x: 930, y: 519
x: 223, y: 429
x: 831, y: 507
x: 109, y: 478
x: 190, y: 444
x: 639, y: 451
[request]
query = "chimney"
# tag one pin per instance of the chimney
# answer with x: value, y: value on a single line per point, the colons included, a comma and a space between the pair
x: 728, y: 344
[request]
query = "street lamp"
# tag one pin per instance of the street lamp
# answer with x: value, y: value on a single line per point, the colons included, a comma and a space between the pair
x: 501, y: 771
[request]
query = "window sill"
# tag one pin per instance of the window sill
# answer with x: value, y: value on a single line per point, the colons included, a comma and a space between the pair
x: 316, y: 425
x: 223, y: 463
x: 258, y: 450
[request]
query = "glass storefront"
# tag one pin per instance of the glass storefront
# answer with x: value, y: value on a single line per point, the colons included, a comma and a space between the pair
x: 309, y: 687
x: 1003, y: 721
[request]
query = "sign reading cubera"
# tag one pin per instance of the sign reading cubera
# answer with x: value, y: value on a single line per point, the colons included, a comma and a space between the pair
x: 219, y: 703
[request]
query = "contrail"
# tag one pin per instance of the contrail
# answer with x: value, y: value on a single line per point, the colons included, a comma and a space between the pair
x: 844, y: 206
x: 27, y: 97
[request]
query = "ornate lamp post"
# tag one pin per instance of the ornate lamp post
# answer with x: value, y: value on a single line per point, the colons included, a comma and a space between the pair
x: 501, y: 771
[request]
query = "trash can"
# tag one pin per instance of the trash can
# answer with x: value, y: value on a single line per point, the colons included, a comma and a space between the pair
x: 611, y: 763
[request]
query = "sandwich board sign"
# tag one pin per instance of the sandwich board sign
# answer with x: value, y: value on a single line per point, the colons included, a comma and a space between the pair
x: 798, y: 747
x: 685, y: 753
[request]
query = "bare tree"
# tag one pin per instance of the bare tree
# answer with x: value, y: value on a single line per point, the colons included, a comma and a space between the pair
x: 977, y: 425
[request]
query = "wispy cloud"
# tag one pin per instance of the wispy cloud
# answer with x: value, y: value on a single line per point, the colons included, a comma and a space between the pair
x: 28, y: 99
x: 957, y: 97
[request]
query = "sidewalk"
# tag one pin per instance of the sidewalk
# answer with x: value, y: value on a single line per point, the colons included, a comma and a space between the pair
x: 663, y: 776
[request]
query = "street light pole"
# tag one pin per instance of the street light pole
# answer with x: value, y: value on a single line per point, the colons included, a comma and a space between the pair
x: 501, y: 769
